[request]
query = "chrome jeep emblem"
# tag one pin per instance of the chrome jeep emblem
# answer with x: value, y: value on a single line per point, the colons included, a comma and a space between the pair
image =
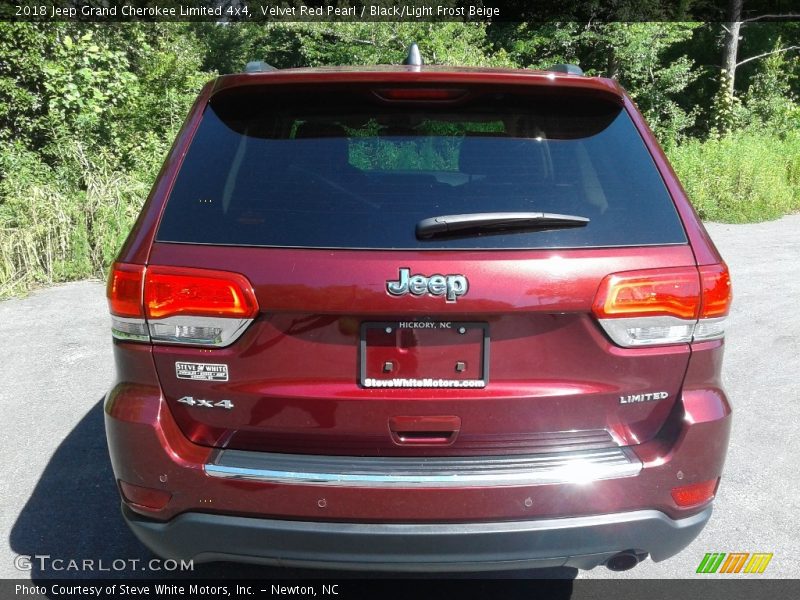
x: 449, y: 286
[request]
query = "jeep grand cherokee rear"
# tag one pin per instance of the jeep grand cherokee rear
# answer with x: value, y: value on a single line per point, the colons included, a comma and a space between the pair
x: 417, y: 319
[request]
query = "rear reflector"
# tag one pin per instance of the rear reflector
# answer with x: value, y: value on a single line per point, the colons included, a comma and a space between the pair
x: 179, y: 305
x: 150, y: 498
x: 664, y: 306
x: 695, y: 493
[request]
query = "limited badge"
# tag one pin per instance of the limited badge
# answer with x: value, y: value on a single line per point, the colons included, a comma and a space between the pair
x: 201, y: 371
x: 650, y: 396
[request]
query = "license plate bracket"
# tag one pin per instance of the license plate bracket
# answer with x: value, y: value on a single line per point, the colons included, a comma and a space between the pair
x: 424, y: 354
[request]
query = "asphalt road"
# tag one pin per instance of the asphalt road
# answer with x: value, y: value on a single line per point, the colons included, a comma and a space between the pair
x: 57, y: 494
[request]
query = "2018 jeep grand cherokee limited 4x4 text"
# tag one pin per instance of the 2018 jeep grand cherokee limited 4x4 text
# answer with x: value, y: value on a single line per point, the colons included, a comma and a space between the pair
x: 417, y: 318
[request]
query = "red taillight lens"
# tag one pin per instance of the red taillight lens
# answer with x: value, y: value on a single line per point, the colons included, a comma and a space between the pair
x: 143, y: 496
x: 671, y: 292
x: 170, y: 291
x: 124, y: 290
x: 717, y: 296
x: 695, y: 493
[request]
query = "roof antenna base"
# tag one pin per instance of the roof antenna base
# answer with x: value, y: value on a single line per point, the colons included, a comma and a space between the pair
x: 414, y: 58
x: 258, y: 66
x: 567, y: 69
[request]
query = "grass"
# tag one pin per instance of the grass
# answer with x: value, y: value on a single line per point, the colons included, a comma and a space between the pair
x: 744, y: 178
x: 63, y: 224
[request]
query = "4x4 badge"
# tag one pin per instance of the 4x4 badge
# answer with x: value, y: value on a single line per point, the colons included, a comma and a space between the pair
x: 449, y: 286
x: 191, y: 401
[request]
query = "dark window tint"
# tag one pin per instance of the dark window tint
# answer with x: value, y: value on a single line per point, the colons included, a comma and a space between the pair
x: 344, y: 169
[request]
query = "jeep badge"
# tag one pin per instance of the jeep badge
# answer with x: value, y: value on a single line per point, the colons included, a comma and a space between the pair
x: 449, y: 286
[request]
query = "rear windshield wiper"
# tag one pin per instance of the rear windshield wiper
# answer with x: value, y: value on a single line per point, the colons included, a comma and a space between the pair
x: 494, y: 222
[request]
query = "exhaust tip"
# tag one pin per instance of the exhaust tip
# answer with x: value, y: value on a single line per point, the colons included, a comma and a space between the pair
x: 624, y: 561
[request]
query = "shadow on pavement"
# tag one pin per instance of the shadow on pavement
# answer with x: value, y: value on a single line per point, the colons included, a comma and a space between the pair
x: 73, y: 515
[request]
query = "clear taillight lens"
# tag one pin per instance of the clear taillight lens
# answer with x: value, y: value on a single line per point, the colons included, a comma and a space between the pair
x: 664, y: 306
x: 179, y: 305
x: 648, y: 331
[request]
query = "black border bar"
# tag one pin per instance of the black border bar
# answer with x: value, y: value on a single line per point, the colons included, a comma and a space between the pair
x: 354, y: 11
x: 753, y: 588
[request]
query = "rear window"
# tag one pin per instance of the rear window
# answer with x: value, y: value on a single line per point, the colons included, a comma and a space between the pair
x: 348, y: 169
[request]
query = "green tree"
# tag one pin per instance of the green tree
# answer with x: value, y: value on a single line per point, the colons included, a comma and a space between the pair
x: 770, y: 100
x: 641, y: 56
x: 313, y: 44
x: 88, y: 113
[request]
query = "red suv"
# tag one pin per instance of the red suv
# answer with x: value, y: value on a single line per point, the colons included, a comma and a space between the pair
x: 417, y: 318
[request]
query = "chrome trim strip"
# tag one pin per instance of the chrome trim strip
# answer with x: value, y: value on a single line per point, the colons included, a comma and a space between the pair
x: 355, y: 471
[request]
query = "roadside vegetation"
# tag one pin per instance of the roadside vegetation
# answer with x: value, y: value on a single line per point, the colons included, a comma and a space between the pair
x: 87, y: 112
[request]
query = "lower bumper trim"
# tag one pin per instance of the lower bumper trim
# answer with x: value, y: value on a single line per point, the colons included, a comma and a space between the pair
x: 582, y: 542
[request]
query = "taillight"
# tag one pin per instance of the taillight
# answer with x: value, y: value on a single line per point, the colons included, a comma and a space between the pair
x: 664, y: 292
x: 124, y: 290
x: 124, y: 293
x: 173, y: 291
x: 197, y: 306
x: 664, y: 306
x: 717, y: 298
x: 180, y: 305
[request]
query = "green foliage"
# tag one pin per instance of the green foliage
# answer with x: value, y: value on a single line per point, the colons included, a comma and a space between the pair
x: 84, y: 82
x: 312, y: 44
x: 750, y: 176
x: 655, y: 85
x: 88, y: 113
x: 54, y: 229
x: 769, y: 99
x: 638, y: 55
x: 23, y: 49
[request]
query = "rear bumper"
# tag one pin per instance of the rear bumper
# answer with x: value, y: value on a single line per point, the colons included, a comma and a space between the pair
x: 433, y: 514
x: 581, y: 542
